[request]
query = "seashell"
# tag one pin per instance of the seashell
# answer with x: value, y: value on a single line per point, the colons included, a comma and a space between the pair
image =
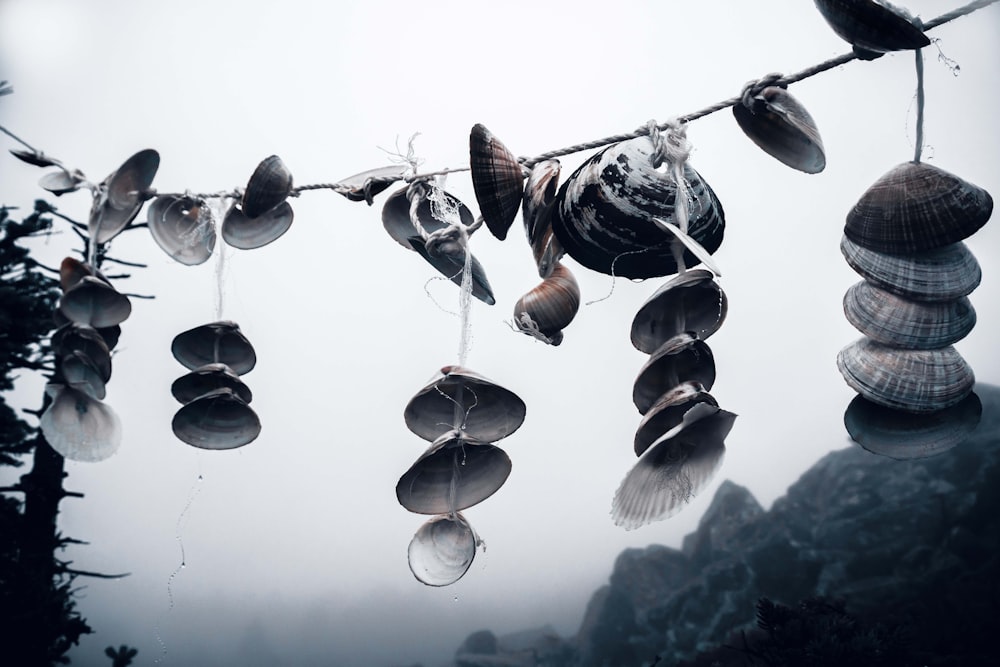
x: 451, y: 266
x: 61, y: 182
x: 94, y: 302
x: 79, y: 372
x: 497, y: 179
x: 396, y: 214
x: 872, y: 25
x: 536, y: 209
x: 674, y: 469
x: 72, y: 337
x: 217, y: 420
x: 782, y: 127
x: 35, y: 158
x: 246, y: 233
x: 894, y: 321
x: 942, y: 274
x: 909, y: 380
x: 460, y: 399
x: 682, y: 358
x: 916, y: 207
x: 79, y: 427
x: 126, y: 191
x: 442, y: 550
x: 183, y: 228
x: 690, y: 301
x: 603, y: 213
x: 549, y: 308
x: 71, y: 271
x: 214, y: 343
x: 206, y: 379
x: 367, y: 184
x: 269, y: 185
x: 668, y: 412
x: 456, y: 472
x: 904, y: 435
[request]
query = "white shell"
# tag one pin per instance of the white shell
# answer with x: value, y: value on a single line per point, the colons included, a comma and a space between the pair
x: 442, y: 550
x: 79, y: 427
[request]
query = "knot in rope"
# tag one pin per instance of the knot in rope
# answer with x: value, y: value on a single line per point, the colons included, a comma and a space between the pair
x: 754, y: 88
x: 672, y: 148
x: 530, y: 327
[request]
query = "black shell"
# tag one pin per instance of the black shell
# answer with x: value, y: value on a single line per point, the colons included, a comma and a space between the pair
x: 680, y: 359
x: 269, y: 185
x: 782, y: 127
x: 245, y: 233
x: 871, y: 25
x: 216, y: 342
x: 206, y: 379
x: 690, y: 301
x: 216, y: 420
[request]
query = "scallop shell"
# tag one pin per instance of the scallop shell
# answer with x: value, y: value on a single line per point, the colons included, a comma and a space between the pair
x: 942, y: 274
x: 94, y: 302
x: 872, y: 25
x: 127, y: 190
x: 442, y: 550
x: 78, y: 371
x: 690, y: 301
x: 183, y: 228
x: 206, y: 379
x: 79, y: 427
x: 909, y: 380
x: 367, y: 184
x: 396, y: 214
x: 269, y: 185
x: 917, y: 207
x: 73, y: 337
x: 536, y: 209
x: 682, y: 358
x: 457, y: 398
x: 668, y: 413
x: 603, y: 213
x: 217, y: 420
x: 216, y: 342
x: 896, y: 322
x: 549, y: 307
x: 904, y: 435
x: 782, y: 127
x: 246, y: 233
x: 456, y: 472
x: 497, y: 179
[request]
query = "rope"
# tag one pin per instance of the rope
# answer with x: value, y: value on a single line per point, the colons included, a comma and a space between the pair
x: 920, y: 106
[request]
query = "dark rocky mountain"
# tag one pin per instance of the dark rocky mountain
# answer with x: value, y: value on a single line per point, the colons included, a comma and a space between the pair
x: 865, y: 561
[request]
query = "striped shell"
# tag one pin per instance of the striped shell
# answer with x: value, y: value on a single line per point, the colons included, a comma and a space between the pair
x: 183, y: 228
x: 781, y: 126
x: 682, y: 358
x: 269, y: 185
x: 127, y: 189
x: 872, y: 25
x: 897, y: 322
x: 668, y: 412
x: 497, y: 180
x: 214, y: 343
x: 550, y: 306
x: 690, y: 301
x: 206, y: 379
x: 246, y: 233
x: 80, y: 427
x: 603, y: 213
x: 442, y: 550
x: 217, y: 420
x: 536, y: 209
x: 94, y: 302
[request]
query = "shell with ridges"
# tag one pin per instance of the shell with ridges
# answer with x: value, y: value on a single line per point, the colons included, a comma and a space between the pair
x: 73, y: 337
x: 79, y: 427
x: 183, y: 228
x: 246, y: 233
x: 872, y: 25
x: 536, y: 209
x: 94, y: 302
x: 217, y: 342
x: 550, y: 306
x: 442, y: 550
x: 680, y: 359
x: 217, y: 420
x: 206, y: 379
x: 668, y: 412
x: 269, y: 185
x: 497, y: 179
x: 897, y: 322
x: 690, y: 301
x: 127, y: 189
x: 78, y: 371
x: 782, y: 127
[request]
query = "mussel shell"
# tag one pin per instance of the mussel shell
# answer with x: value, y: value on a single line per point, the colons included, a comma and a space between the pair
x: 917, y: 207
x: 536, y: 209
x: 682, y: 358
x: 551, y: 305
x: 94, y: 302
x: 872, y: 25
x: 217, y: 420
x: 897, y: 322
x: 396, y: 215
x: 182, y: 229
x: 690, y: 301
x: 668, y: 413
x: 497, y: 179
x: 603, y: 213
x: 367, y: 184
x: 217, y: 342
x: 782, y: 127
x: 126, y: 192
x: 246, y: 233
x: 454, y: 473
x: 79, y: 427
x: 942, y: 274
x: 72, y: 337
x: 442, y: 550
x: 904, y: 435
x: 269, y: 185
x: 206, y: 379
x: 60, y: 182
x: 79, y: 372
x: 908, y: 380
x: 451, y: 266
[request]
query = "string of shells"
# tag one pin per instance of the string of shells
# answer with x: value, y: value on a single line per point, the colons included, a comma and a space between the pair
x: 905, y: 237
x: 462, y: 414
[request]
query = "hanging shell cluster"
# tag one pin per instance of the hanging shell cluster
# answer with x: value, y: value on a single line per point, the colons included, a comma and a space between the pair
x: 461, y: 414
x: 216, y: 412
x: 905, y: 238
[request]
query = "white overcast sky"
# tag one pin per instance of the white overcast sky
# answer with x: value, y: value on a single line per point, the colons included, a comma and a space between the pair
x: 295, y: 545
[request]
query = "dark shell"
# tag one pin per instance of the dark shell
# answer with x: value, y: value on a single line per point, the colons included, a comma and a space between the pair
x: 442, y: 550
x: 214, y: 343
x: 396, y: 215
x: 690, y: 301
x: 36, y: 158
x: 457, y: 398
x: 917, y: 207
x: 78, y: 371
x: 246, y: 233
x: 94, y: 302
x: 206, y: 379
x: 127, y: 190
x: 367, y: 184
x: 269, y: 185
x: 61, y: 182
x: 896, y: 322
x: 682, y: 358
x: 183, y: 228
x: 872, y: 25
x: 456, y: 472
x: 451, y: 266
x: 72, y: 337
x: 549, y: 307
x: 497, y: 179
x: 71, y: 271
x: 536, y: 209
x: 668, y: 413
x: 217, y: 420
x: 79, y: 427
x: 782, y: 127
x: 603, y: 213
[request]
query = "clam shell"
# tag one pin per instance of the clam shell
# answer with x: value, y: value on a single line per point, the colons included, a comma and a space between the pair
x: 917, y: 207
x: 690, y: 301
x: 61, y: 182
x: 456, y: 472
x: 35, y: 158
x: 942, y: 274
x: 269, y: 185
x: 217, y: 342
x: 73, y: 337
x: 216, y: 420
x: 451, y: 267
x: 71, y: 271
x: 246, y: 233
x: 603, y: 213
x: 367, y: 184
x: 206, y: 379
x: 897, y: 322
x: 536, y: 209
x: 396, y: 215
x: 782, y: 127
x: 79, y: 372
x: 460, y: 399
x: 550, y: 306
x: 904, y: 435
x: 183, y: 228
x: 872, y: 25
x: 497, y: 179
x: 909, y: 380
x: 127, y: 189
x: 442, y: 550
x: 94, y: 302
x: 668, y: 413
x: 79, y: 427
x: 682, y: 358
